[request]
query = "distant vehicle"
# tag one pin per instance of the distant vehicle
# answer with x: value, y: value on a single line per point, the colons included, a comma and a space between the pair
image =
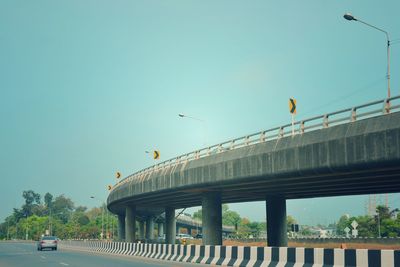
x: 199, y: 236
x: 161, y: 237
x: 184, y: 236
x: 47, y: 242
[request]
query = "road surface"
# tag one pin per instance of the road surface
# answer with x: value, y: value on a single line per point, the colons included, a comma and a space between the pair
x: 26, y: 255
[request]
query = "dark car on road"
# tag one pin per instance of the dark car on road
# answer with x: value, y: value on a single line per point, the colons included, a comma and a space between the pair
x: 47, y: 242
x: 199, y: 236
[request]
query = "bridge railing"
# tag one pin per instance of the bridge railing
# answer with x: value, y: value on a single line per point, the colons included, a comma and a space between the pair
x: 348, y: 115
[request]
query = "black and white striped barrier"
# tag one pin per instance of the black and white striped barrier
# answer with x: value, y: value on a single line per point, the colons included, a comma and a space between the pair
x: 245, y: 256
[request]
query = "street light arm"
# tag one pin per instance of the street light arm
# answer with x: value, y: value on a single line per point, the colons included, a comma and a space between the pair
x: 190, y: 117
x: 350, y: 17
x: 379, y: 29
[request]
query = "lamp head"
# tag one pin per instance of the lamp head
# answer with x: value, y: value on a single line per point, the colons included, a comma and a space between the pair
x: 181, y: 115
x: 349, y: 16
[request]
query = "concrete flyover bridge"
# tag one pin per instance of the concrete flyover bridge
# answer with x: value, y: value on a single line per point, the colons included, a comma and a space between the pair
x: 347, y: 152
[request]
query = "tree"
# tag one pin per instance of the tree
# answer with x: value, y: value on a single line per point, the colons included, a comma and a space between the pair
x: 224, y: 208
x: 383, y: 212
x: 65, y: 221
x: 198, y: 214
x: 231, y: 218
x: 80, y: 209
x: 83, y: 219
x: 48, y: 198
x: 244, y: 229
x: 367, y: 227
x: 62, y: 207
x: 342, y: 224
x: 32, y: 200
x: 256, y: 228
x: 31, y: 197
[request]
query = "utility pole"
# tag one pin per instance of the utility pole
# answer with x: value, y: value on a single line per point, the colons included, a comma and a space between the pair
x: 108, y: 225
x: 379, y: 225
x: 112, y: 227
x: 8, y: 230
x: 102, y: 221
x: 26, y: 233
x: 50, y: 225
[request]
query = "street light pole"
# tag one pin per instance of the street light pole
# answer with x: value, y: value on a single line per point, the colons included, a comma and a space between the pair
x: 200, y: 120
x: 102, y: 220
x: 26, y: 230
x: 8, y: 230
x: 350, y: 17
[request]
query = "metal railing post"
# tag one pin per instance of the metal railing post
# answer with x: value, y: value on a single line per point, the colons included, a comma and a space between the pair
x: 262, y: 137
x: 325, y: 123
x: 281, y: 133
x: 353, y: 117
x: 386, y: 106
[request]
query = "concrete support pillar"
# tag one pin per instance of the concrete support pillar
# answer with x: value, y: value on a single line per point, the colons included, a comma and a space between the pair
x: 160, y: 229
x: 121, y: 227
x: 276, y: 221
x: 141, y: 229
x: 130, y: 223
x: 149, y: 228
x: 170, y: 225
x: 212, y: 218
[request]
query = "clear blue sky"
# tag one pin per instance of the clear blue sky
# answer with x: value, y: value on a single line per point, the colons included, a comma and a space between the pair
x: 87, y: 86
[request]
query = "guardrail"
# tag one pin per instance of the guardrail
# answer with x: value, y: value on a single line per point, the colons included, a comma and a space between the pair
x: 372, y: 109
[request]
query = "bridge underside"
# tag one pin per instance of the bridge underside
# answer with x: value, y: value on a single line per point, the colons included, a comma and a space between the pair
x: 363, y: 181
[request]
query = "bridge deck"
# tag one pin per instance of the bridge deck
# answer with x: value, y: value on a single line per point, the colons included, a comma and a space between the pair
x: 360, y: 157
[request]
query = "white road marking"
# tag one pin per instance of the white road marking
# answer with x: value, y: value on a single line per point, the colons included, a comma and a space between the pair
x: 63, y: 263
x: 43, y: 257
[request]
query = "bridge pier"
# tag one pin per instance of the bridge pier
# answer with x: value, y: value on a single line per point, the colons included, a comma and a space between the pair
x: 160, y: 229
x: 276, y: 221
x: 170, y: 225
x: 141, y: 230
x: 149, y: 228
x: 121, y: 227
x: 212, y: 218
x: 130, y: 223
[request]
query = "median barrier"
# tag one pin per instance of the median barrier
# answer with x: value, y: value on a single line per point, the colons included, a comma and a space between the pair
x: 242, y: 256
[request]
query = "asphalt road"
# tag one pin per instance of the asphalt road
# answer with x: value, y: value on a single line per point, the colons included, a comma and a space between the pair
x: 26, y: 255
